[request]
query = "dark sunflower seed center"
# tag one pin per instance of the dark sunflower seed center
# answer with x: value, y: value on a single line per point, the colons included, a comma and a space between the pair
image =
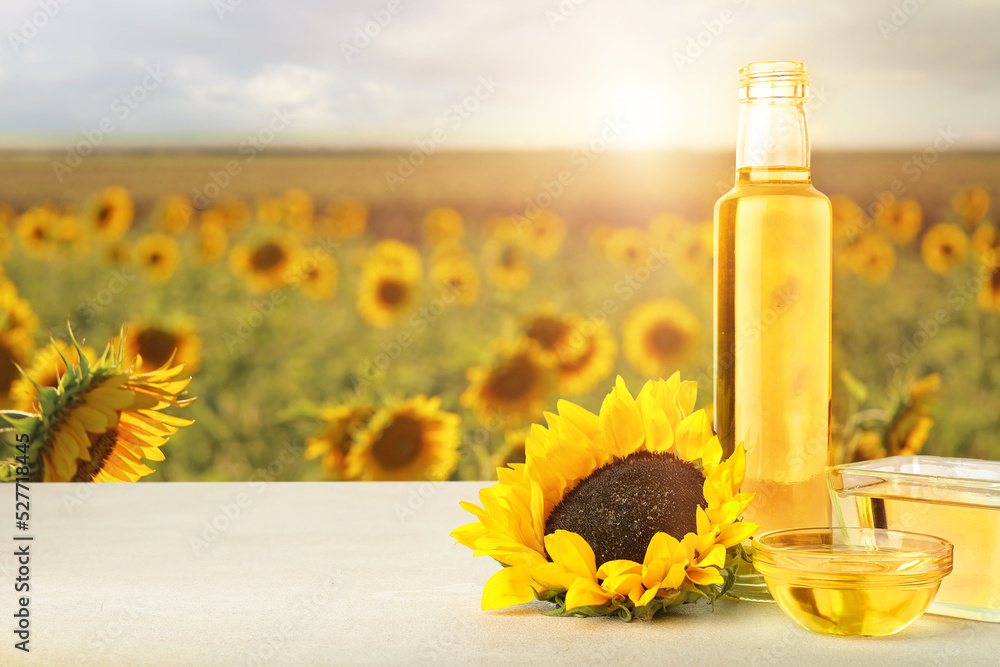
x: 618, y: 508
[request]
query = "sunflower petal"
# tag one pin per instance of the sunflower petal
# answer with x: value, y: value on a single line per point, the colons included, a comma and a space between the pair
x: 509, y: 586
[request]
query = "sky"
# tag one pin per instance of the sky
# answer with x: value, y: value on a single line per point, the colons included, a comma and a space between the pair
x: 509, y: 74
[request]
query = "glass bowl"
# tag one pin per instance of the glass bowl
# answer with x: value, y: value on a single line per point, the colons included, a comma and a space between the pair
x: 852, y: 581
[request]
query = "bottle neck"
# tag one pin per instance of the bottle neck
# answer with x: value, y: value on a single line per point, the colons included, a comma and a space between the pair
x: 772, y: 135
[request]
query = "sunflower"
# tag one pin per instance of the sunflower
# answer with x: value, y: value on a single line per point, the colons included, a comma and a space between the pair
x: 872, y: 257
x: 158, y: 255
x: 545, y: 231
x: 587, y: 357
x: 17, y: 327
x: 212, y: 242
x: 506, y: 263
x: 848, y: 219
x: 972, y: 203
x: 550, y: 330
x: 415, y: 440
x: 36, y: 229
x: 459, y: 278
x: 900, y: 219
x: 152, y: 347
x: 944, y: 247
x: 110, y: 212
x: 988, y: 298
x: 319, y: 277
x: 336, y: 438
x: 70, y: 236
x: 102, y: 419
x: 695, y: 252
x: 345, y: 218
x: 442, y: 223
x: 173, y: 214
x: 298, y: 210
x: 263, y: 266
x: 659, y: 335
x: 628, y: 247
x: 667, y: 229
x: 629, y: 512
x: 515, y: 388
x: 390, y: 283
x: 232, y: 212
x: 116, y: 253
x: 269, y: 210
x: 47, y: 366
x: 984, y: 241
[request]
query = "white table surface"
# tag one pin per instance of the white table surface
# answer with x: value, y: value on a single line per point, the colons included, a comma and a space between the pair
x: 352, y: 573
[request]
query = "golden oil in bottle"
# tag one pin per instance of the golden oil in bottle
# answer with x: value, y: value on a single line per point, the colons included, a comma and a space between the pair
x: 772, y: 310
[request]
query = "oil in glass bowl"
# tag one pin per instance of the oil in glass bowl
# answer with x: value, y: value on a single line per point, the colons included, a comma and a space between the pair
x: 852, y: 581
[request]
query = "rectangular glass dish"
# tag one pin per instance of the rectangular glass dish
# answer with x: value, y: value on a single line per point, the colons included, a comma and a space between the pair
x: 956, y: 499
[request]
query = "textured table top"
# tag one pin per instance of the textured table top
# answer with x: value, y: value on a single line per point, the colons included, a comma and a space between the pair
x: 342, y: 573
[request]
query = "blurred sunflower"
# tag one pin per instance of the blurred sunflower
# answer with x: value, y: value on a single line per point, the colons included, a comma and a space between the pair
x: 319, y: 277
x: 17, y: 328
x: 110, y: 212
x: 445, y: 251
x: 849, y: 221
x: 506, y: 263
x: 988, y: 298
x: 659, y: 335
x: 515, y: 388
x: 158, y: 255
x: 337, y: 437
x: 415, y: 440
x: 944, y: 247
x: 36, y: 230
x: 587, y: 357
x: 232, y: 212
x: 545, y: 231
x: 907, y: 430
x: 269, y: 210
x: 629, y: 512
x: 442, y: 223
x: 550, y: 330
x: 70, y: 236
x: 628, y: 247
x: 599, y: 236
x: 212, y: 242
x: 47, y: 366
x: 972, y: 204
x: 152, y: 347
x: 459, y: 277
x: 872, y: 257
x: 390, y: 283
x: 103, y: 419
x: 695, y: 253
x: 667, y: 230
x: 345, y: 218
x: 298, y: 210
x: 173, y: 214
x: 984, y: 241
x: 116, y: 253
x: 901, y: 219
x: 263, y: 265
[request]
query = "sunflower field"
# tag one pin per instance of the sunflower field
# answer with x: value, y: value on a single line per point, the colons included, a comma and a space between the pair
x: 333, y: 335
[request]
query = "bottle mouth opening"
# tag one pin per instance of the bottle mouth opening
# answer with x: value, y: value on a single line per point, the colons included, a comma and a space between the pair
x: 773, y: 80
